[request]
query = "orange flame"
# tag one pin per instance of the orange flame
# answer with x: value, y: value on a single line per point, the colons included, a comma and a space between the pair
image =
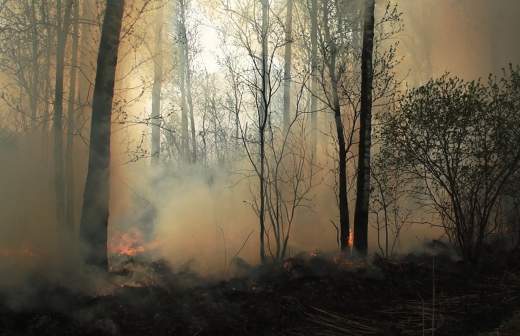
x: 131, y: 243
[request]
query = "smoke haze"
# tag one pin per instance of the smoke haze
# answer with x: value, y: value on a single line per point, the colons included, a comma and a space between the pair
x: 205, y: 216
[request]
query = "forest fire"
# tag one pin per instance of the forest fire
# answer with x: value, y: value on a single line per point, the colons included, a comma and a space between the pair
x: 259, y: 167
x: 131, y: 243
x: 350, y: 240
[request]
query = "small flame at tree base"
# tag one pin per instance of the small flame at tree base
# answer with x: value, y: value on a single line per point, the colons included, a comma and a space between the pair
x: 131, y: 243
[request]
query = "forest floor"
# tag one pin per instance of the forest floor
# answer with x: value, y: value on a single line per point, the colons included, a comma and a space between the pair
x: 307, y: 295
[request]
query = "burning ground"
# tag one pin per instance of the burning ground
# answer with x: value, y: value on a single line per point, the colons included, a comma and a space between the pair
x: 311, y: 294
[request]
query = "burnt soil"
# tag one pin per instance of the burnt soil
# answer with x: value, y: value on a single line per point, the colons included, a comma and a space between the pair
x: 303, y: 296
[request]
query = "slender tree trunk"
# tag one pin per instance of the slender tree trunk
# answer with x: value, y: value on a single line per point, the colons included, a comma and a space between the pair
x: 94, y: 217
x: 365, y: 133
x: 85, y: 59
x: 156, y: 90
x: 190, y: 108
x: 59, y: 184
x: 44, y: 9
x: 287, y: 66
x: 182, y: 72
x: 314, y: 83
x: 218, y: 152
x: 71, y: 127
x: 344, y: 216
x: 263, y: 115
x: 35, y: 67
x: 187, y: 71
x: 45, y: 79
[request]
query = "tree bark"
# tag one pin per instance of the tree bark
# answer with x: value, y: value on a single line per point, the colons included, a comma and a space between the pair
x: 86, y: 58
x: 182, y: 71
x: 187, y: 71
x: 331, y: 60
x: 287, y: 66
x: 44, y: 9
x: 156, y: 90
x: 365, y: 133
x: 59, y: 184
x: 94, y: 217
x: 314, y: 84
x: 189, y: 99
x: 71, y: 127
x: 35, y: 66
x: 262, y: 120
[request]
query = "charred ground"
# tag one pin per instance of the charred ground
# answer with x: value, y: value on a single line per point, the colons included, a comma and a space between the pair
x: 306, y: 295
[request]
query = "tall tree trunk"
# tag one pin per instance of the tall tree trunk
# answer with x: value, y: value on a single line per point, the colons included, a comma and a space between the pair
x: 71, y: 127
x: 35, y: 66
x: 262, y: 123
x: 59, y: 184
x: 365, y: 133
x: 156, y: 90
x: 94, y: 217
x: 45, y: 78
x: 190, y: 105
x: 287, y: 66
x: 187, y: 72
x: 182, y: 72
x: 44, y: 9
x: 344, y: 215
x: 314, y: 84
x: 85, y: 59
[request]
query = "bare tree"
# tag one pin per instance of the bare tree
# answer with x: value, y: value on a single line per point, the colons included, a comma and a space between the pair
x: 390, y: 203
x: 261, y: 43
x: 22, y: 44
x: 331, y: 84
x: 289, y: 179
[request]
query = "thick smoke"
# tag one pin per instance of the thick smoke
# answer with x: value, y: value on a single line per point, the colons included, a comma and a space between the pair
x: 469, y: 38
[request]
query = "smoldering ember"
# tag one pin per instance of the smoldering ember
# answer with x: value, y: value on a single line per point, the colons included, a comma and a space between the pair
x: 259, y: 167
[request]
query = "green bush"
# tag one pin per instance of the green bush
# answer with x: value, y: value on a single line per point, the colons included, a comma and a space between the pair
x: 459, y: 144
